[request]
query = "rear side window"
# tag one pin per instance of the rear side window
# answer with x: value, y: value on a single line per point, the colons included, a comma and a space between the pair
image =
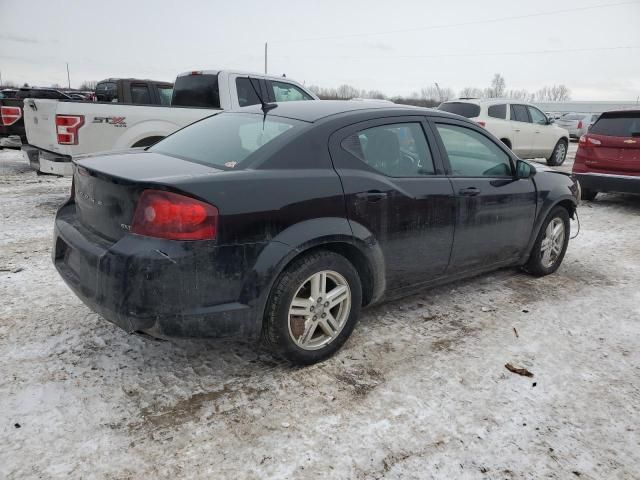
x: 196, y: 90
x: 286, y: 92
x: 246, y: 93
x: 469, y: 110
x: 519, y: 113
x: 472, y: 154
x: 498, y: 111
x: 106, y: 92
x: 225, y: 140
x: 165, y: 93
x: 140, y: 94
x: 623, y: 124
x: 396, y: 150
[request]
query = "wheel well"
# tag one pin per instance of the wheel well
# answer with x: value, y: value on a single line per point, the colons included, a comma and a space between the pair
x: 569, y: 206
x: 357, y: 259
x: 506, y: 141
x: 566, y: 140
x: 147, y: 142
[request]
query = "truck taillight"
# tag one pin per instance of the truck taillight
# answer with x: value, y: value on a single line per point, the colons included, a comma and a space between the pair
x: 67, y: 127
x: 174, y: 217
x: 481, y: 123
x: 10, y: 115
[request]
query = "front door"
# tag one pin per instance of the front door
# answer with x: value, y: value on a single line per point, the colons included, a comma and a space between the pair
x: 544, y: 136
x: 395, y: 188
x: 496, y: 210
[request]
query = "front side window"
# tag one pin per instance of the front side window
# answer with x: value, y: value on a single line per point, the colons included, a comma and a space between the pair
x: 472, y: 154
x: 395, y: 150
x: 498, y: 111
x: 165, y: 93
x: 224, y: 141
x: 286, y: 92
x: 519, y: 113
x: 537, y: 116
x: 246, y: 93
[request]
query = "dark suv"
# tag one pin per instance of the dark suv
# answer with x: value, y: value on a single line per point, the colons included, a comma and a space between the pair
x: 283, y: 222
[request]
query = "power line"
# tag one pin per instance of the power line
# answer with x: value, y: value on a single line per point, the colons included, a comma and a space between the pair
x: 460, y: 24
x: 453, y: 55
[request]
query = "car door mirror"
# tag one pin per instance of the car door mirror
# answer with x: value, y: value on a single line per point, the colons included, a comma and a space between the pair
x: 524, y: 169
x: 550, y: 121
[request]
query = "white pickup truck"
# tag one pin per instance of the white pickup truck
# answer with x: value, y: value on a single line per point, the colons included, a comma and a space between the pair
x: 59, y: 130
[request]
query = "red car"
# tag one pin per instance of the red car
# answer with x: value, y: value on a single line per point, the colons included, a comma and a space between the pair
x: 608, y: 156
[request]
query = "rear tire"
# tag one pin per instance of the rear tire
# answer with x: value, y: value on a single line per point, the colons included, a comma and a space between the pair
x: 317, y: 328
x: 559, y: 154
x: 549, y: 249
x: 588, y: 194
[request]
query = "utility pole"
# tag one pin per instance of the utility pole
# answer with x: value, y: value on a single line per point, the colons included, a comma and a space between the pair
x: 265, y: 58
x: 68, y: 77
x: 439, y: 92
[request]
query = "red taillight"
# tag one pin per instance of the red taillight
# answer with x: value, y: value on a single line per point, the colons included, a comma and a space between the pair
x: 579, y: 124
x: 10, y: 115
x: 67, y: 127
x: 175, y: 217
x: 587, y: 141
x: 482, y: 124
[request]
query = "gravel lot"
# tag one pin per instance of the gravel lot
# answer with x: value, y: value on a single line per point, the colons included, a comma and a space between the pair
x: 420, y: 390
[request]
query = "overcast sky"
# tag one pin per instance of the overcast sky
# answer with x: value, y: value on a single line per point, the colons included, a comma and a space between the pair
x: 395, y: 46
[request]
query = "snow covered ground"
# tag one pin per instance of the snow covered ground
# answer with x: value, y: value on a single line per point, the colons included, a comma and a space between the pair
x: 419, y: 391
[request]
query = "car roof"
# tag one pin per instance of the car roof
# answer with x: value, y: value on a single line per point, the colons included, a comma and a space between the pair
x: 314, y: 110
x: 488, y: 101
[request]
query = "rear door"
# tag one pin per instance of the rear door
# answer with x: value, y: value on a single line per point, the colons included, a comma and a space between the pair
x: 396, y: 189
x: 619, y: 149
x: 521, y: 130
x: 495, y: 210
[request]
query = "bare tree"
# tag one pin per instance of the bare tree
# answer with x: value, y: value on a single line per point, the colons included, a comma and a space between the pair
x: 555, y: 93
x: 88, y: 85
x: 497, y: 87
x: 471, y: 92
x: 433, y: 93
x: 55, y: 85
x: 346, y: 92
x: 523, y: 95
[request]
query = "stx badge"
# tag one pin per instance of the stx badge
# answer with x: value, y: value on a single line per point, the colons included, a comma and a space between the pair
x: 115, y: 121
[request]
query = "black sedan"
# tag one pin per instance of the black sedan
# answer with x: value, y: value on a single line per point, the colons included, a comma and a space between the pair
x: 282, y: 224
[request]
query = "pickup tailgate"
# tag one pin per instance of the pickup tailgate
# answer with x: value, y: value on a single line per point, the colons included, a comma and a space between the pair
x: 40, y: 123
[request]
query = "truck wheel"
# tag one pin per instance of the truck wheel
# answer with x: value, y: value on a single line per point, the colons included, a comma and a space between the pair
x: 588, y: 194
x: 559, y: 154
x: 313, y: 308
x: 551, y: 244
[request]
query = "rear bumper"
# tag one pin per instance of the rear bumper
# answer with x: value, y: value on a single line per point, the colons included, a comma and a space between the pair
x: 10, y: 141
x: 47, y: 162
x: 603, y: 182
x: 159, y: 287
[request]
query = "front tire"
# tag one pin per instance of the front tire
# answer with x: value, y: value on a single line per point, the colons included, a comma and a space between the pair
x: 551, y: 245
x: 313, y: 307
x: 559, y: 154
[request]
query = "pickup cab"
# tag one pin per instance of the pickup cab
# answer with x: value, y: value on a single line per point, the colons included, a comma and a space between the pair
x: 57, y: 131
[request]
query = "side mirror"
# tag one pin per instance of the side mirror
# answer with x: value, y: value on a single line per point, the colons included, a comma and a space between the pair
x: 551, y: 120
x: 524, y: 170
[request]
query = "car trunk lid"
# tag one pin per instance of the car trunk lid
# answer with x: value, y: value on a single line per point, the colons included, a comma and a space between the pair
x: 107, y: 187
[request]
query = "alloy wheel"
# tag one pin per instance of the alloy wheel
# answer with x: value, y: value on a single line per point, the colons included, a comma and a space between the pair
x: 552, y: 243
x: 319, y: 310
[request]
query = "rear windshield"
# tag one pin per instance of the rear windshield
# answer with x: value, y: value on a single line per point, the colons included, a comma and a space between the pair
x: 469, y: 110
x: 621, y: 124
x: 225, y: 140
x: 196, y: 90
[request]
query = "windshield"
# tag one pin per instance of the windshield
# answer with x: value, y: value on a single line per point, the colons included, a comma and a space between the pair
x: 225, y: 140
x: 469, y: 110
x: 623, y: 124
